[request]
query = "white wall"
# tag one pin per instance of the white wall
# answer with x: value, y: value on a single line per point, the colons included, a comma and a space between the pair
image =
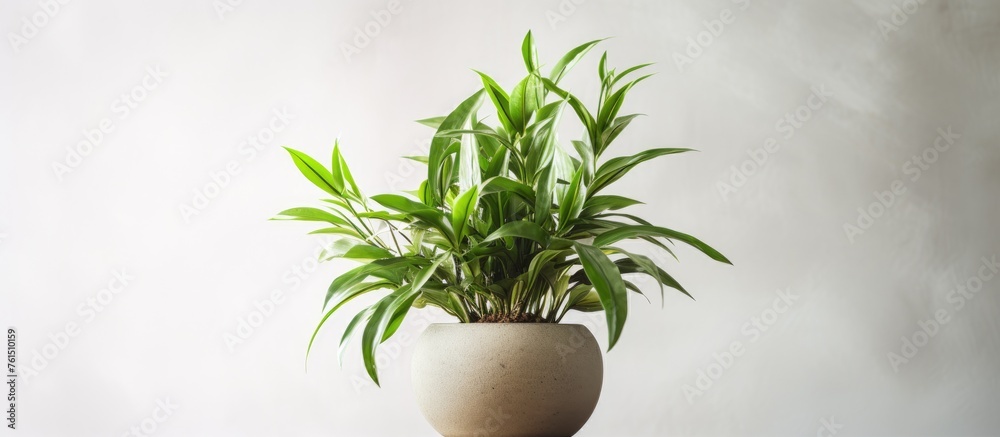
x: 161, y: 338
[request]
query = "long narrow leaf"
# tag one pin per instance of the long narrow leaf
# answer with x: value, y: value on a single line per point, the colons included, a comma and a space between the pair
x: 355, y: 291
x: 615, y: 168
x: 609, y: 285
x: 572, y: 203
x: 316, y: 173
x: 503, y: 184
x: 435, y: 159
x: 635, y: 231
x: 521, y: 229
x: 386, y: 311
x: 312, y: 214
x: 529, y: 53
x: 465, y: 206
x: 524, y: 100
x: 499, y: 97
x: 570, y: 59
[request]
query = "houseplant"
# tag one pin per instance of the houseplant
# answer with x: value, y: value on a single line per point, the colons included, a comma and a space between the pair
x: 507, y: 234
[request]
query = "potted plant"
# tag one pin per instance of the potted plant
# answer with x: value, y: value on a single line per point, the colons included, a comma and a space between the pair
x: 508, y: 233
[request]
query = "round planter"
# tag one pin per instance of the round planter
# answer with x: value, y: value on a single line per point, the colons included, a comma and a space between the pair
x: 507, y: 379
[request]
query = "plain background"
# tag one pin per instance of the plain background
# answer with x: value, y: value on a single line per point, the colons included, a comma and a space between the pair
x: 822, y: 361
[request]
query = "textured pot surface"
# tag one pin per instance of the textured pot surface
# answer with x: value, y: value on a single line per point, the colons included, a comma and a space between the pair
x: 507, y: 379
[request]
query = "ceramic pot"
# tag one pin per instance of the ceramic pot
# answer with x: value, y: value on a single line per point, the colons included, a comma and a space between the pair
x: 507, y: 379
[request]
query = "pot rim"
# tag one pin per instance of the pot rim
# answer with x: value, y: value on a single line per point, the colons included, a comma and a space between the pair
x: 568, y: 325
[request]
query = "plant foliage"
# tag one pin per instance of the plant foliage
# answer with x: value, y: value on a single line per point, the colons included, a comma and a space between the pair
x: 508, y: 226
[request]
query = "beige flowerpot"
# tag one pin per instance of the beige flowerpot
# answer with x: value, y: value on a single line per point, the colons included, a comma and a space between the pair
x: 507, y: 379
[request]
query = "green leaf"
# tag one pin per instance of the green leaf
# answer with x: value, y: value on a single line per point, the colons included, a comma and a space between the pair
x: 541, y: 260
x: 622, y: 75
x: 433, y: 122
x: 312, y: 215
x: 598, y: 204
x: 339, y: 231
x: 615, y: 168
x: 351, y: 293
x: 416, y: 288
x: 366, y: 252
x: 363, y: 316
x: 316, y: 173
x: 614, y: 103
x: 645, y: 265
x: 581, y: 111
x: 570, y: 59
x: 340, y: 166
x: 502, y: 184
x: 608, y: 282
x: 420, y: 159
x: 529, y: 52
x: 397, y: 312
x: 490, y: 142
x: 564, y: 168
x: 500, y: 99
x: 465, y: 206
x: 543, y: 197
x: 587, y: 160
x: 588, y: 303
x: 524, y: 100
x: 616, y: 128
x: 402, y: 204
x: 541, y: 142
x: 428, y: 215
x: 468, y: 164
x: 385, y: 268
x: 384, y: 216
x: 499, y: 164
x: 572, y: 203
x: 370, y: 336
x: 602, y: 67
x: 455, y: 133
x: 338, y: 248
x: 456, y: 120
x: 521, y: 229
x: 634, y: 231
x: 387, y: 311
x: 637, y: 290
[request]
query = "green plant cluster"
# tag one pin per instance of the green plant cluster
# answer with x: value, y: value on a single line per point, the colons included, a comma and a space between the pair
x: 508, y: 226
